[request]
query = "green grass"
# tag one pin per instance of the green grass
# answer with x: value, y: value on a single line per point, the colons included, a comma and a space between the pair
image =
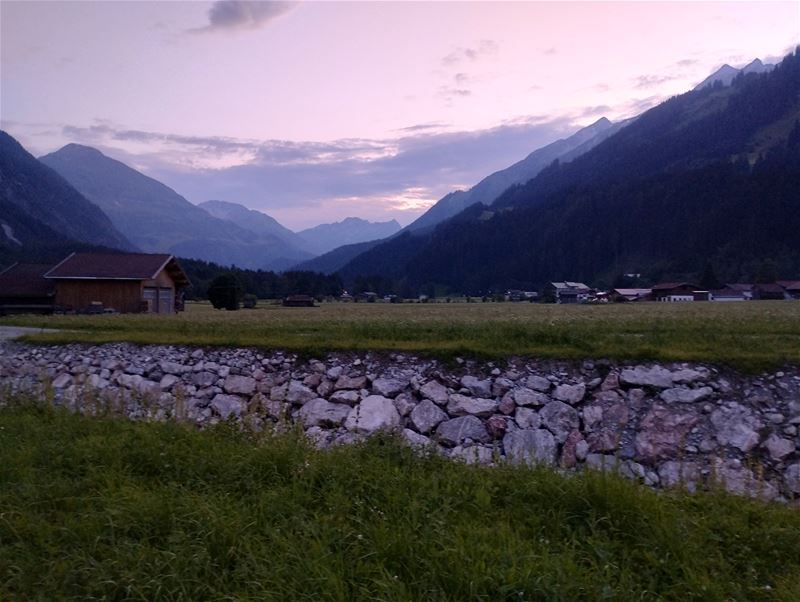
x: 108, y: 509
x: 749, y: 336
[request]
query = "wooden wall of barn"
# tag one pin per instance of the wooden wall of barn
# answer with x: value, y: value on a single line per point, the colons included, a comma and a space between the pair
x: 123, y: 295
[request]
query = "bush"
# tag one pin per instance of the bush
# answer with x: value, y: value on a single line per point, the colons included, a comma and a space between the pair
x: 225, y: 292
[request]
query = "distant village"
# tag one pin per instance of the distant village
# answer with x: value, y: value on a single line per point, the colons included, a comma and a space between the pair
x: 156, y: 283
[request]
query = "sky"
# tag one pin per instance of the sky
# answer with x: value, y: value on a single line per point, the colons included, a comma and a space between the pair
x: 317, y: 111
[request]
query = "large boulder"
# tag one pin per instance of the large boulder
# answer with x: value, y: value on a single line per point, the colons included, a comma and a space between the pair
x: 426, y: 416
x: 388, y: 387
x: 683, y: 395
x: 461, y: 405
x: 319, y: 412
x: 456, y: 431
x: 478, y: 387
x: 656, y: 377
x: 298, y: 394
x: 530, y: 447
x: 374, y: 413
x: 435, y: 391
x: 240, y: 385
x: 560, y: 419
x: 736, y: 426
x: 663, y: 433
x: 228, y: 405
x: 570, y: 394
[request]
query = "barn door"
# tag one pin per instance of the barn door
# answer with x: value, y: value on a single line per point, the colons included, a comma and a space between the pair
x: 166, y: 301
x: 150, y: 297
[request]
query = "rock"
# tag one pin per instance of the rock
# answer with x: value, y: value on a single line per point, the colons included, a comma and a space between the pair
x: 686, y: 475
x: 688, y: 376
x: 662, y: 433
x: 228, y: 405
x: 416, y: 440
x: 173, y: 368
x: 474, y: 454
x: 168, y: 381
x: 62, y: 381
x: 461, y: 405
x: 348, y: 397
x: 656, y: 377
x: 240, y: 385
x: 778, y: 447
x: 297, y: 393
x: 610, y: 383
x: 569, y: 452
x: 204, y: 378
x: 736, y: 426
x: 405, y: 404
x: 501, y: 386
x: 735, y: 478
x: 312, y: 381
x: 570, y: 394
x: 97, y: 382
x: 278, y: 392
x: 538, y: 383
x: 560, y: 419
x: 603, y: 441
x: 350, y: 382
x: 527, y: 418
x: 319, y: 412
x: 373, y: 414
x: 592, y: 417
x: 530, y: 447
x: 388, y: 387
x: 602, y: 462
x: 325, y: 388
x: 335, y: 372
x: 792, y: 478
x: 456, y: 431
x: 479, y: 388
x: 496, y: 426
x: 426, y: 416
x: 506, y: 405
x: 435, y: 391
x: 682, y: 395
x: 527, y: 397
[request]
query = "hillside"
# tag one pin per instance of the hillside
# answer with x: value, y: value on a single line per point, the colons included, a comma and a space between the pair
x: 709, y: 174
x: 492, y: 186
x: 39, y: 206
x: 158, y: 219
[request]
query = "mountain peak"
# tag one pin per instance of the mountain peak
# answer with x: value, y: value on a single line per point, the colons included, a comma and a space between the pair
x: 79, y: 150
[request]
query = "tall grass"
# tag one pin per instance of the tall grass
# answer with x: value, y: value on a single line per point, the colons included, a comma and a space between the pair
x: 109, y: 509
x: 751, y: 335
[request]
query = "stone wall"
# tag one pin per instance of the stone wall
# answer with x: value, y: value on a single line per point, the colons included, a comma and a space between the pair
x: 682, y: 425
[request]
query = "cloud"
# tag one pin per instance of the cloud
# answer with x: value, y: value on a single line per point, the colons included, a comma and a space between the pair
x: 653, y: 81
x: 471, y: 54
x: 552, y: 51
x: 309, y: 182
x: 233, y: 15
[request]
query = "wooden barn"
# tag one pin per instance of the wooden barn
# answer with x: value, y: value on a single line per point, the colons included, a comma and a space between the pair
x: 25, y: 290
x: 124, y: 282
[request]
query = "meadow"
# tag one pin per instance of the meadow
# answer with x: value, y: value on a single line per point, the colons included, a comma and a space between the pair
x: 103, y: 508
x: 747, y: 336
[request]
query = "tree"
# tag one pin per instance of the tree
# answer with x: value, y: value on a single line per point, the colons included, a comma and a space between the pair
x: 225, y: 292
x: 709, y: 280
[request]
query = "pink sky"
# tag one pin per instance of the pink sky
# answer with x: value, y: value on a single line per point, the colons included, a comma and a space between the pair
x: 315, y: 111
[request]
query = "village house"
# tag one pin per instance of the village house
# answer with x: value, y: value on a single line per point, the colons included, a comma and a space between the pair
x: 676, y: 292
x: 769, y: 292
x: 627, y: 295
x: 299, y: 301
x: 727, y: 294
x: 122, y: 282
x: 745, y: 289
x: 568, y: 292
x: 24, y: 289
x: 791, y: 287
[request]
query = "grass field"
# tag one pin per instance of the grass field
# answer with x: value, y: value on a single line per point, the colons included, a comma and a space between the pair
x: 109, y: 509
x: 749, y: 336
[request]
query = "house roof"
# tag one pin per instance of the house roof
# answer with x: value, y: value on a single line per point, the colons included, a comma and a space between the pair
x: 26, y: 280
x: 668, y: 286
x: 631, y: 292
x: 790, y: 285
x: 117, y: 266
x: 580, y: 286
x: 771, y: 287
x: 739, y: 286
x: 728, y: 291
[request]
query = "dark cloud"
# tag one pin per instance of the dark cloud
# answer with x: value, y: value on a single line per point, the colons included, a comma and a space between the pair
x: 228, y: 15
x: 460, y: 55
x: 652, y: 81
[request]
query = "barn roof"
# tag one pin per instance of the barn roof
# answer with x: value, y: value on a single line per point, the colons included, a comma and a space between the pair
x: 26, y: 280
x: 117, y: 266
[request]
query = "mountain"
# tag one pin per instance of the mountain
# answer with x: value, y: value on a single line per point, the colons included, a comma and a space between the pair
x: 492, y: 186
x: 326, y: 237
x: 39, y: 205
x: 712, y: 174
x: 255, y: 221
x: 726, y: 73
x: 333, y: 261
x: 158, y: 219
